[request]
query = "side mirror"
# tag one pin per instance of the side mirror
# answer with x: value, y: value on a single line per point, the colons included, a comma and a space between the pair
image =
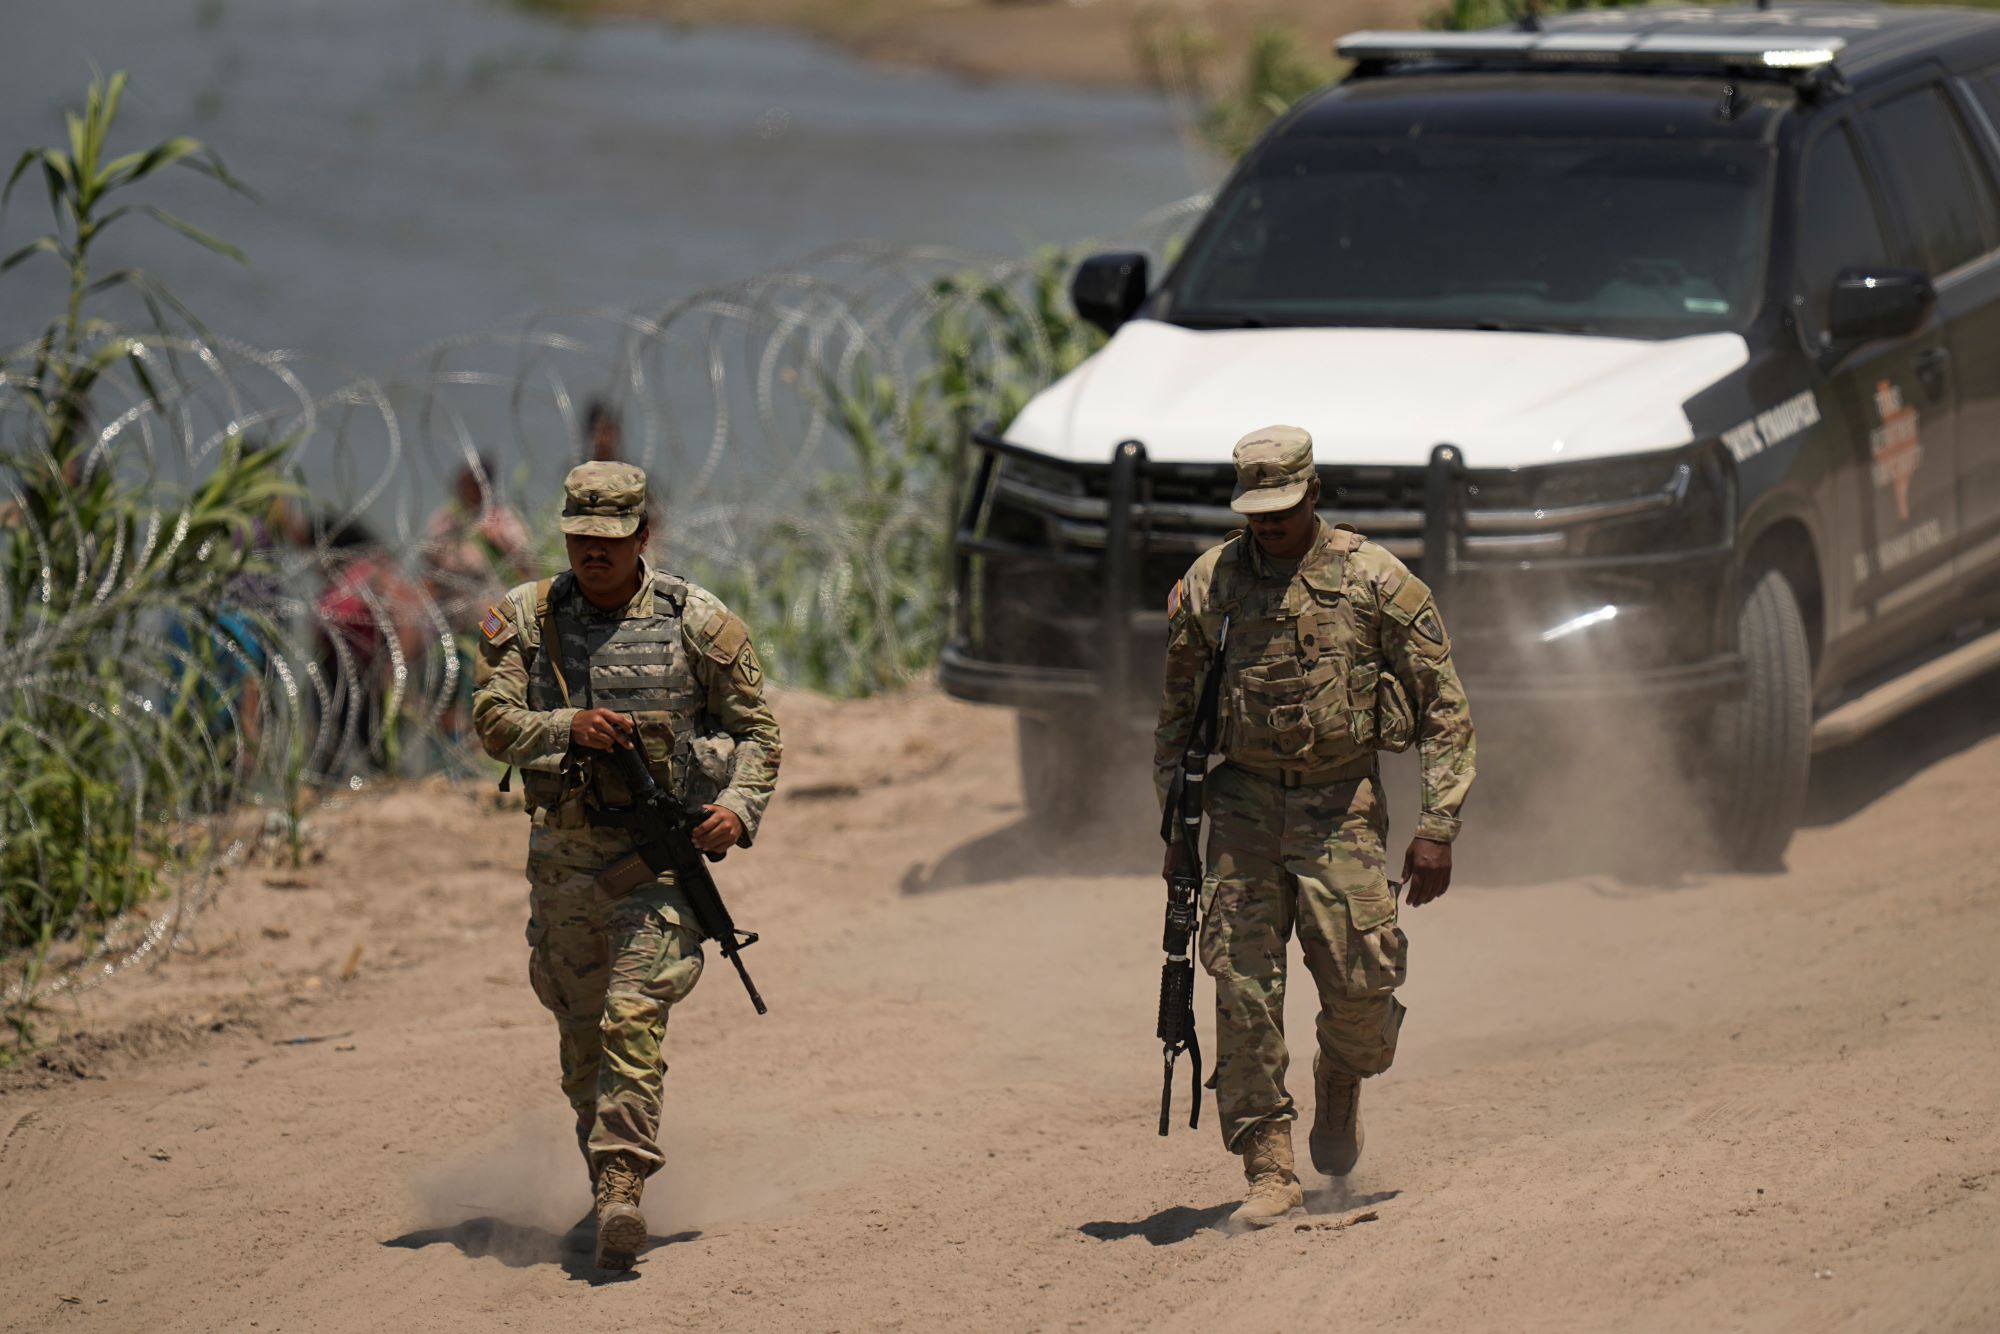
x: 1108, y: 289
x: 1869, y: 304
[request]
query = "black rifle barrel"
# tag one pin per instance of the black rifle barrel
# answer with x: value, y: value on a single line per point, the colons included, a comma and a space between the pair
x: 1180, y: 827
x: 663, y: 836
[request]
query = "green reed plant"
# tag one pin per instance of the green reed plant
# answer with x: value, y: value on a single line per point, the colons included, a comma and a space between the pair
x: 851, y: 592
x: 112, y: 743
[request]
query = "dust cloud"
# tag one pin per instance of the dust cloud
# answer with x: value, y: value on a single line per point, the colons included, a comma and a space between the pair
x: 1578, y: 796
x: 515, y: 1198
x: 522, y: 1196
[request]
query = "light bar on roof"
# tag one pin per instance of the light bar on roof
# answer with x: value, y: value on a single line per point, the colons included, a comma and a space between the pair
x: 1595, y: 48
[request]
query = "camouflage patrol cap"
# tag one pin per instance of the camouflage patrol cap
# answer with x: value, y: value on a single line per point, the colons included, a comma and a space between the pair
x: 1274, y: 464
x: 603, y: 500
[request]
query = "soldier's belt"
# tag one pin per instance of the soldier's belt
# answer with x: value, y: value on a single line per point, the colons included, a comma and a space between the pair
x: 1320, y: 776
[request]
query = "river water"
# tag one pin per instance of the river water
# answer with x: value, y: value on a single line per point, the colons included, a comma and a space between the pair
x: 429, y: 168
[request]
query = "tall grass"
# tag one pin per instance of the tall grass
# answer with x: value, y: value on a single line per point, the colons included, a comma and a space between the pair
x: 109, y: 738
x: 1233, y: 102
x: 849, y: 592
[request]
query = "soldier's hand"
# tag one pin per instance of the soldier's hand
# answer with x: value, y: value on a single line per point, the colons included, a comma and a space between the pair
x: 602, y: 729
x: 721, y: 831
x: 1427, y: 870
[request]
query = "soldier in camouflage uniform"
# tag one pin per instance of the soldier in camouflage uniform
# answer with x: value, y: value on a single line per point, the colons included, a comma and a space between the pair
x: 1335, y: 651
x: 616, y: 653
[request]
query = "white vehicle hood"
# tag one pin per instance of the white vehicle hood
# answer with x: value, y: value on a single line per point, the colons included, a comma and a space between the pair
x: 1378, y: 396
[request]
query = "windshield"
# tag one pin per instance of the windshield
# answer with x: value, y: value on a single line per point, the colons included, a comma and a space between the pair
x: 1646, y: 238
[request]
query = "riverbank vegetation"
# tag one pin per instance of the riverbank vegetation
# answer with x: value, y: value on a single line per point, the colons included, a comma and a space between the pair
x: 108, y: 743
x: 132, y: 656
x: 850, y: 594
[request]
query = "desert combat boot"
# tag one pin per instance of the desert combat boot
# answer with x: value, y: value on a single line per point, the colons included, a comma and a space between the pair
x: 621, y: 1228
x: 1336, y: 1139
x: 1274, y: 1186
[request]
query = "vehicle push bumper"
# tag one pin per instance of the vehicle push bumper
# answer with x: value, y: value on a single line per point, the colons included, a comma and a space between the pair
x: 1061, y: 574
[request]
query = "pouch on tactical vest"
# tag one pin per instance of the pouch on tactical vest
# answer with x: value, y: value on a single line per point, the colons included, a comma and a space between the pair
x: 1298, y: 692
x: 1287, y: 700
x: 1396, y: 721
x: 1382, y: 718
x: 643, y: 670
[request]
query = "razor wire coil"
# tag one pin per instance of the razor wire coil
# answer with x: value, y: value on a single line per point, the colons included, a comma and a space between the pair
x: 184, y: 684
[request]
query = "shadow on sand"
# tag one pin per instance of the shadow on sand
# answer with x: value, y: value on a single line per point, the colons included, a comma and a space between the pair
x: 519, y: 1246
x: 1849, y: 780
x: 1026, y: 849
x: 1166, y: 1227
x: 1179, y: 1222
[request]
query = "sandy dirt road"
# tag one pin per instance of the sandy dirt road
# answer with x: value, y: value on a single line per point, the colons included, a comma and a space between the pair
x: 1657, y: 1101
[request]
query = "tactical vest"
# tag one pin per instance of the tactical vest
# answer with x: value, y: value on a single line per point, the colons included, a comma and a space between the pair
x: 636, y: 665
x: 1305, y: 681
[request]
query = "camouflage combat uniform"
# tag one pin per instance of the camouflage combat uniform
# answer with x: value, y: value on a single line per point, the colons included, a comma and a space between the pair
x: 611, y: 966
x: 1326, y: 664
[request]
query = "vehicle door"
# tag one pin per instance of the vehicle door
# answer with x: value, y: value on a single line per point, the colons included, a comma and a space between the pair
x: 1970, y: 297
x: 1894, y: 513
x: 1948, y: 223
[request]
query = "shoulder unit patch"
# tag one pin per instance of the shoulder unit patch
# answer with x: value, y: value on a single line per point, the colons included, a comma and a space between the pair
x: 493, y: 625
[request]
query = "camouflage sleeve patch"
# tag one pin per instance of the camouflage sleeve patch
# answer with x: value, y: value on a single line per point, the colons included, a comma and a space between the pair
x: 733, y: 680
x: 1412, y: 597
x: 1174, y: 600
x: 523, y: 609
x: 724, y: 637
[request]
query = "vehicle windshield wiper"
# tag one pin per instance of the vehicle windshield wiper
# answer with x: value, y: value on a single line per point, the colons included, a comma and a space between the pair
x: 1528, y: 326
x: 1220, y: 319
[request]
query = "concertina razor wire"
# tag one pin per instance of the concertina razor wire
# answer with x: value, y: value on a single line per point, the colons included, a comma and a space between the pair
x: 186, y: 680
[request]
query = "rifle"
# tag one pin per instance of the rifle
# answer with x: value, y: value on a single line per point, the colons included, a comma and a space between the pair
x: 1180, y: 828
x: 662, y: 825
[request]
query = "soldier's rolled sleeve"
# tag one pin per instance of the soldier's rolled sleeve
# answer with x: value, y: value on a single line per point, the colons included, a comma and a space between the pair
x: 1188, y: 651
x: 1419, y: 653
x: 510, y: 731
x: 735, y: 698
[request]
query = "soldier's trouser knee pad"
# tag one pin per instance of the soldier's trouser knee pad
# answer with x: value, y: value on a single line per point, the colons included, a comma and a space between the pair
x: 1360, y: 1036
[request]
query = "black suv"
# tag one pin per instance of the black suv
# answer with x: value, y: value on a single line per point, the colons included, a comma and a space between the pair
x: 1665, y: 343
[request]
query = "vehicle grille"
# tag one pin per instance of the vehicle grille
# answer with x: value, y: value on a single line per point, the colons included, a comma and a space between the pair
x: 1032, y: 552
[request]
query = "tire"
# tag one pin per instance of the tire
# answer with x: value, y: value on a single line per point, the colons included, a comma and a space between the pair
x: 1761, y: 747
x: 1060, y: 778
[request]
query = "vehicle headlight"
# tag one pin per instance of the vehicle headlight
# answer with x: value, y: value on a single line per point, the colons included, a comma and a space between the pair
x: 1677, y: 499
x: 1042, y: 476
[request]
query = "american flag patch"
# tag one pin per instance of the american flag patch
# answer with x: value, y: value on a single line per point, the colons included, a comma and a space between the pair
x: 492, y: 625
x: 1174, y: 600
